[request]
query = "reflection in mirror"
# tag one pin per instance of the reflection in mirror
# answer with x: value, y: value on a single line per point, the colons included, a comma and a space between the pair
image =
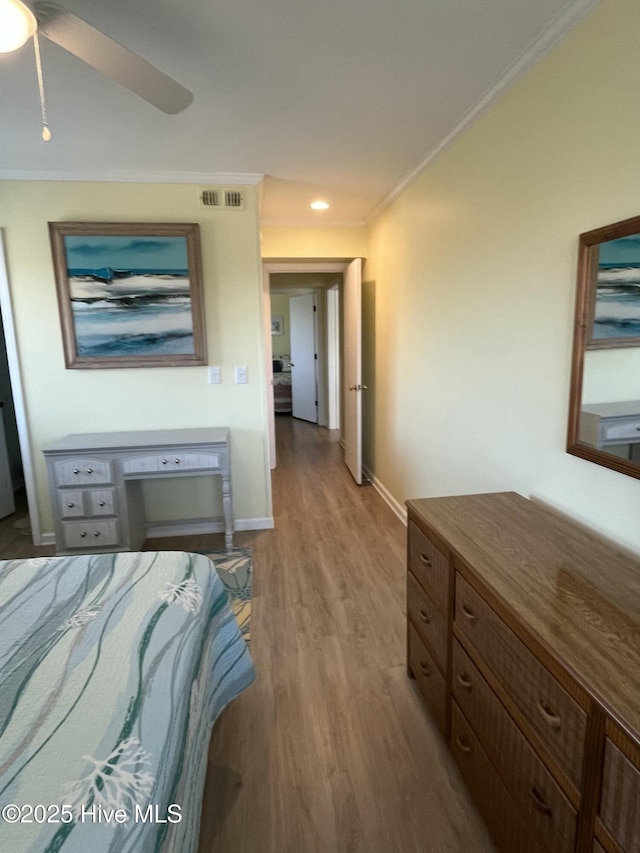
x: 604, y: 408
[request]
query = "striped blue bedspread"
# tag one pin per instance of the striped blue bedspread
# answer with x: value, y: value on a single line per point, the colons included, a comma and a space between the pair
x: 113, y: 668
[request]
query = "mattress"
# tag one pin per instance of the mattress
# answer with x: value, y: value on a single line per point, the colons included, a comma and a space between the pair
x: 113, y: 669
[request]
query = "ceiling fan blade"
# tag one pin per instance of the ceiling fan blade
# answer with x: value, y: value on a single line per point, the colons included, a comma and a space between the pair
x: 111, y: 58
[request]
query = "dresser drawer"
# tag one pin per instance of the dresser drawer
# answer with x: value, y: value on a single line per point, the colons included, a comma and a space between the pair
x: 85, y: 471
x: 429, y: 565
x: 429, y: 621
x: 555, y: 717
x: 492, y: 797
x: 541, y: 800
x: 91, y: 534
x: 430, y: 681
x: 620, y: 802
x: 162, y: 463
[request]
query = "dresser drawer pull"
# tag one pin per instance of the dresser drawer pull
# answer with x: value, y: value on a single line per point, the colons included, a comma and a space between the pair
x: 71, y: 504
x: 96, y: 533
x: 76, y: 470
x: 89, y: 470
x: 102, y: 503
x: 425, y: 560
x: 177, y: 461
x: 425, y: 617
x: 468, y: 614
x: 463, y: 680
x: 548, y: 716
x: 463, y: 745
x: 540, y: 803
x: 83, y: 534
x: 424, y: 668
x: 164, y: 461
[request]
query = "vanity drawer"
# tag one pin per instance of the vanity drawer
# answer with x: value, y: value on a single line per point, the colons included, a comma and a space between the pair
x: 429, y: 621
x: 163, y: 463
x: 71, y: 504
x: 545, y: 806
x: 91, y: 534
x: 620, y: 431
x: 556, y: 718
x: 489, y: 792
x: 620, y: 801
x: 429, y: 565
x: 430, y: 681
x: 85, y: 471
x: 87, y: 503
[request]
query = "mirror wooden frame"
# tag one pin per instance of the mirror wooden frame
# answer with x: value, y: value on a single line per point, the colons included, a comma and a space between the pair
x: 582, y: 340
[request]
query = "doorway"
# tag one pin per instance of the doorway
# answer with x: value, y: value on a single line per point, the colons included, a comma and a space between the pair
x: 333, y: 339
x: 18, y: 446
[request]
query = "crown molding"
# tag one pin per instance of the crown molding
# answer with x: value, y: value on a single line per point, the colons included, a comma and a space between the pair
x: 540, y: 46
x: 216, y: 178
x: 297, y: 223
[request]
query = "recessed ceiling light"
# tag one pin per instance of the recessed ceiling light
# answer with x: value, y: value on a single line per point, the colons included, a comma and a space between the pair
x: 319, y: 205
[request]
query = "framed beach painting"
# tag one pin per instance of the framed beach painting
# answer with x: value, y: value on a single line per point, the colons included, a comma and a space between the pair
x: 129, y: 294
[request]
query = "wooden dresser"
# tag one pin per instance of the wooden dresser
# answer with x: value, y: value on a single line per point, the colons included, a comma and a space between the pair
x: 524, y: 637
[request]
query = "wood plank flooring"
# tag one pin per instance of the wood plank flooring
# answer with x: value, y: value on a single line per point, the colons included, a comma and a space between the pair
x: 330, y: 750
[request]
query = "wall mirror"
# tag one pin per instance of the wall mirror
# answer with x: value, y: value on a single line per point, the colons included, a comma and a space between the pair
x: 604, y: 406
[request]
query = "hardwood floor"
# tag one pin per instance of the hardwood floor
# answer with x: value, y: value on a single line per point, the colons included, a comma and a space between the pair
x: 330, y: 750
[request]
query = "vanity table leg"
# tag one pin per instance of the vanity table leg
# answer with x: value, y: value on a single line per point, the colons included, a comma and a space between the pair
x: 227, y: 508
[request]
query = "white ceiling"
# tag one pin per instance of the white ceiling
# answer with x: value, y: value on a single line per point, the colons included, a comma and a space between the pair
x: 339, y: 99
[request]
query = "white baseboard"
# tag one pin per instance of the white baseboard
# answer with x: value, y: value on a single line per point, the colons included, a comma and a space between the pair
x: 387, y: 497
x: 193, y: 527
x: 186, y: 527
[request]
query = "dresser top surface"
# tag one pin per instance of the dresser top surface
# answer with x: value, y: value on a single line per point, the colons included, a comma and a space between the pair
x: 578, y: 594
x: 138, y: 439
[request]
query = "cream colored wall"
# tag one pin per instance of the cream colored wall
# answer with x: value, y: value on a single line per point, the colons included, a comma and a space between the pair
x: 311, y: 243
x: 475, y: 267
x: 611, y: 375
x: 60, y: 401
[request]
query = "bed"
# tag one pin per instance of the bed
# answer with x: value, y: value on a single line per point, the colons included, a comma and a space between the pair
x: 282, y: 385
x: 113, y: 669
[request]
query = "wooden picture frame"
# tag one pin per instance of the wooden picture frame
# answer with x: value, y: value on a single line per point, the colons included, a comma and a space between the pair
x: 129, y: 294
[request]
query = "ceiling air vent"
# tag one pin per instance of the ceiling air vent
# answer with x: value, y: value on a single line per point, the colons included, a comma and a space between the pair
x: 221, y: 198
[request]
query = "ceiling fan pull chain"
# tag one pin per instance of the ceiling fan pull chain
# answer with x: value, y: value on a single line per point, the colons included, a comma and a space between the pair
x: 46, y: 133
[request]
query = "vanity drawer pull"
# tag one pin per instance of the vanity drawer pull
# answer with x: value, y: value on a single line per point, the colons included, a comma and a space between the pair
x: 425, y: 561
x: 463, y: 745
x: 425, y: 617
x: 468, y: 614
x: 83, y: 534
x: 164, y: 461
x: 76, y: 470
x: 463, y: 680
x: 96, y: 533
x: 71, y: 504
x: 547, y: 715
x: 89, y: 470
x: 425, y: 668
x: 177, y: 460
x: 102, y: 503
x: 540, y: 803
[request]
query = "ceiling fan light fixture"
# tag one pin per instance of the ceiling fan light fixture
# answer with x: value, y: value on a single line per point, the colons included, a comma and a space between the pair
x: 17, y: 24
x: 319, y: 205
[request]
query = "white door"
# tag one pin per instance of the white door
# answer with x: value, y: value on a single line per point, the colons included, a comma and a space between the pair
x: 302, y: 330
x: 352, y: 386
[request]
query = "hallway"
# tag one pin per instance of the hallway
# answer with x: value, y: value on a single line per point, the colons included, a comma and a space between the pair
x: 330, y: 750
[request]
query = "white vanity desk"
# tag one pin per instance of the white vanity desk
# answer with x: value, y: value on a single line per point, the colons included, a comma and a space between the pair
x: 605, y: 424
x: 95, y: 482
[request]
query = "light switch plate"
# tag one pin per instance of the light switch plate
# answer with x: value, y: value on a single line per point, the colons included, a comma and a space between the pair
x: 215, y: 376
x: 241, y: 375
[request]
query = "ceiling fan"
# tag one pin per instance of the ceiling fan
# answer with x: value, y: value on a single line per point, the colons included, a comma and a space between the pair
x: 20, y: 20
